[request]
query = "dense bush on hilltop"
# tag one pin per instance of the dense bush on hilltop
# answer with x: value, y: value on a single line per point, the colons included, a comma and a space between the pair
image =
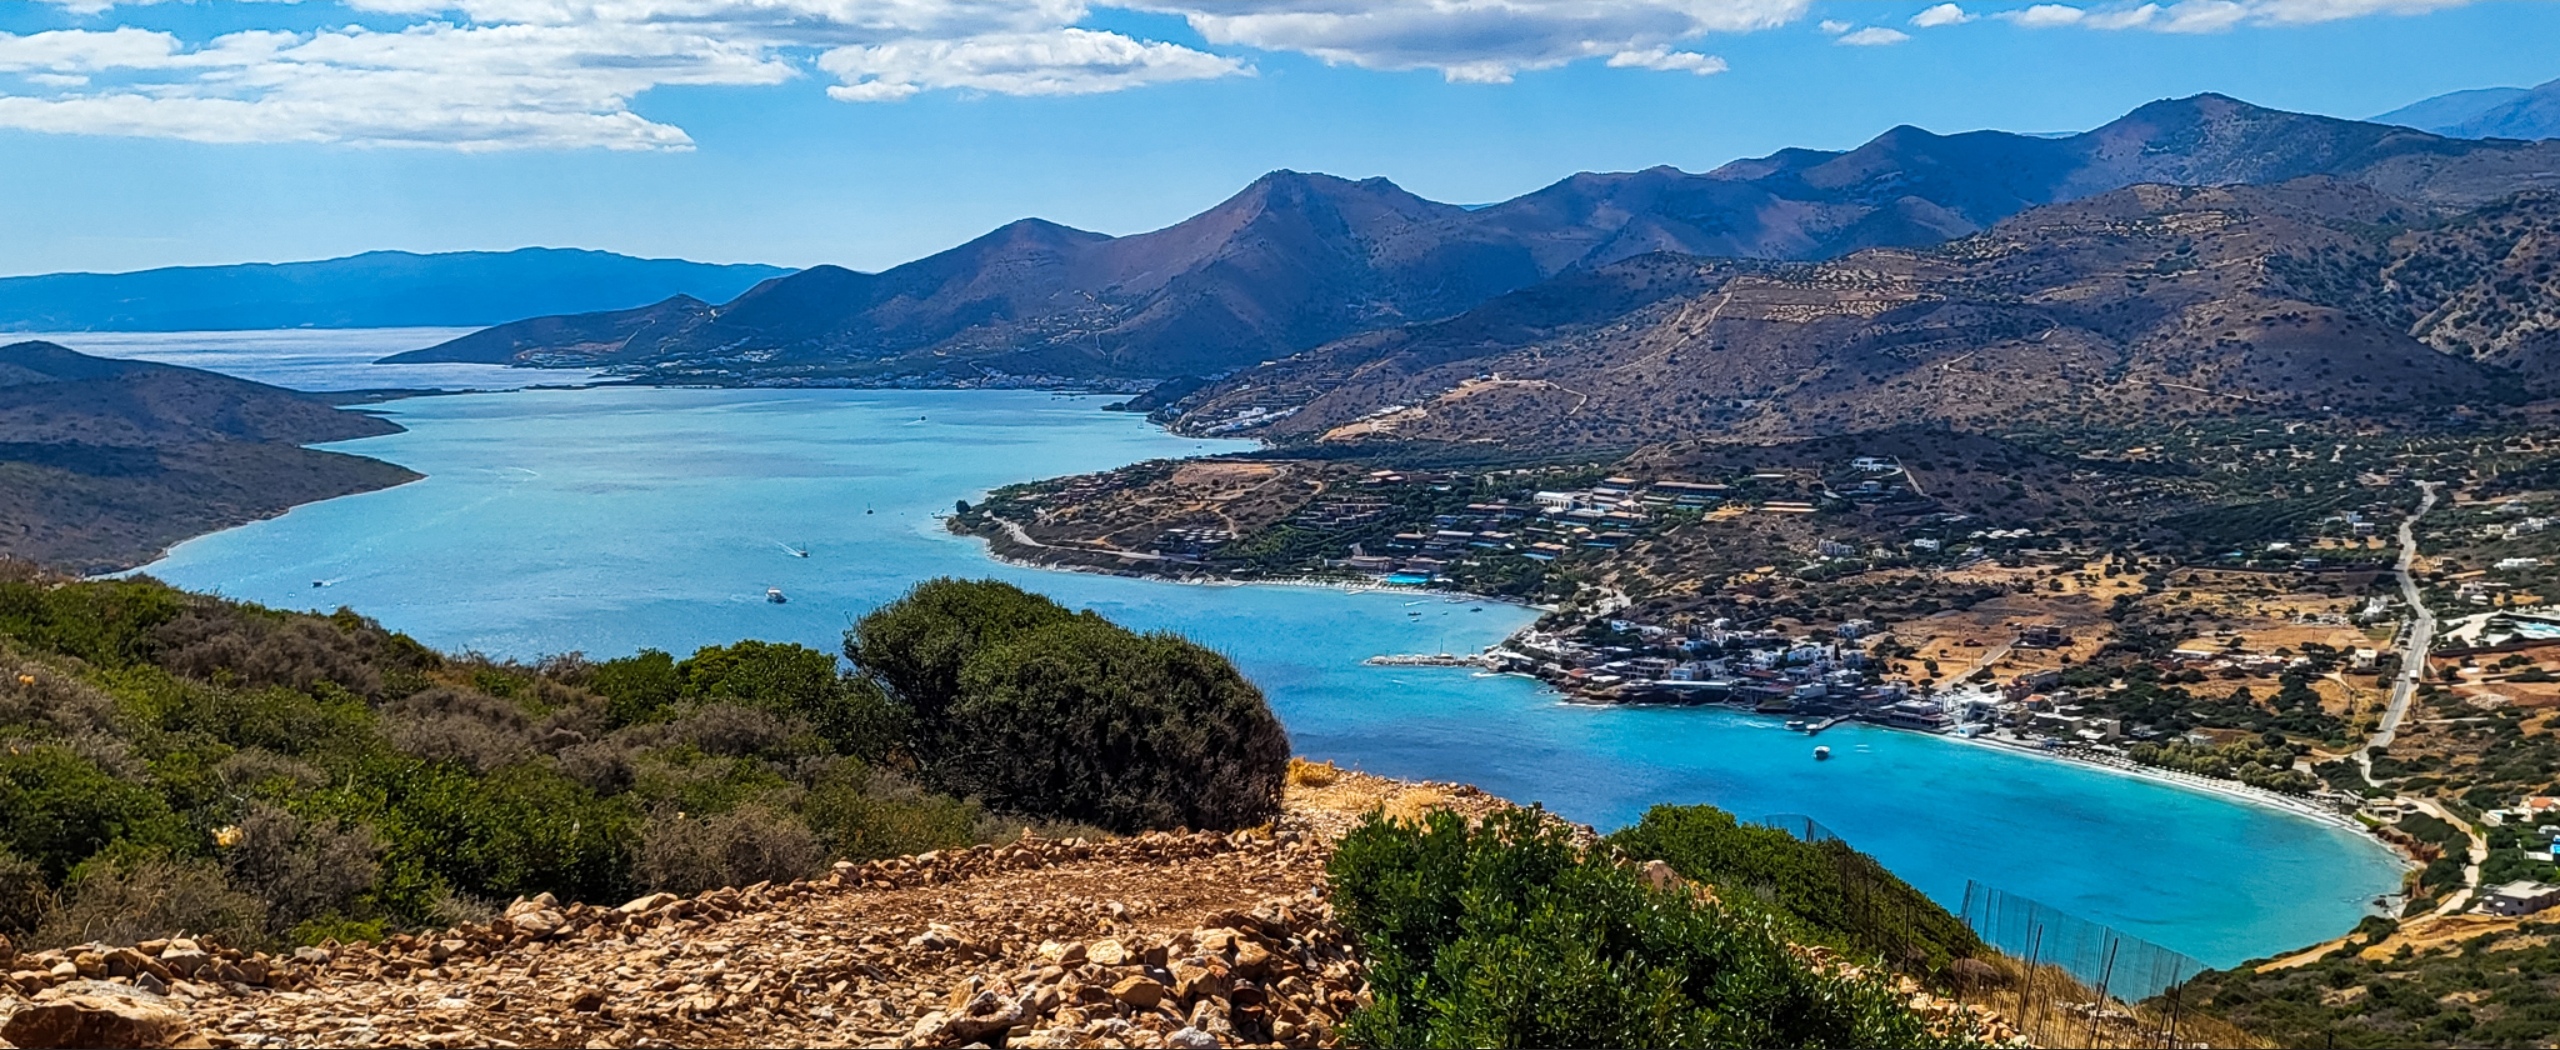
x: 1509, y: 934
x: 1826, y: 891
x: 1010, y: 698
x: 175, y: 761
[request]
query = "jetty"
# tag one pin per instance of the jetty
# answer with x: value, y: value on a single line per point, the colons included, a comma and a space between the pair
x: 1428, y: 660
x: 1825, y: 724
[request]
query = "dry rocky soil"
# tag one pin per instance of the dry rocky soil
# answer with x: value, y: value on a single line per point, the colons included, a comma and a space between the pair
x: 1158, y: 940
x: 1173, y: 940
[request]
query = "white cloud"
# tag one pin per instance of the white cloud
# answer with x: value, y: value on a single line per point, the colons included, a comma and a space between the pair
x: 2214, y: 16
x: 1668, y: 61
x: 2043, y: 16
x: 436, y: 84
x: 1873, y: 36
x: 82, y: 50
x: 1063, y: 62
x: 499, y: 74
x: 1478, y: 41
x: 1835, y: 27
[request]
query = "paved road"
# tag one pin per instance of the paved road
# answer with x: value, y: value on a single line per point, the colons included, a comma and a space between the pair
x: 1024, y: 538
x: 2422, y: 632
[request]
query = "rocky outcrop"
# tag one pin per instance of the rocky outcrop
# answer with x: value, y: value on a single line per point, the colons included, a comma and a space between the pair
x: 87, y: 1013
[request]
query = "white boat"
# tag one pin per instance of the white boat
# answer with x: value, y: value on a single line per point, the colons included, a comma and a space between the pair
x: 1822, y: 754
x: 774, y: 595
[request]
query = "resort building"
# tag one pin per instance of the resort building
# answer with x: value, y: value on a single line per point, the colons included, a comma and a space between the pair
x: 2520, y: 898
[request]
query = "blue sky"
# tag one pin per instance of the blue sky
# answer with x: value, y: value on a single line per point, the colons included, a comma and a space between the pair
x: 869, y: 132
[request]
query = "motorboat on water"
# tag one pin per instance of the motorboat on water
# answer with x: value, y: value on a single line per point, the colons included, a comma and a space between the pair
x: 1796, y: 724
x: 1822, y: 754
x: 774, y: 595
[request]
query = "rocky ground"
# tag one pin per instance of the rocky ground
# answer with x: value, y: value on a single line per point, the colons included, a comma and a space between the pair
x: 1156, y: 940
x: 1159, y: 940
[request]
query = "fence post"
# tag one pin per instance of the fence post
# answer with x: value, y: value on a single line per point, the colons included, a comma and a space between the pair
x: 2106, y: 971
x: 2027, y: 998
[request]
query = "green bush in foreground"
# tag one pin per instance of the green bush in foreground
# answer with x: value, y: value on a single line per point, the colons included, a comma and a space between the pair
x: 1509, y: 935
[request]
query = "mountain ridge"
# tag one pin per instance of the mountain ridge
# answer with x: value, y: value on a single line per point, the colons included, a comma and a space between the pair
x: 2479, y: 113
x: 1296, y: 260
x: 379, y: 289
x: 2305, y: 297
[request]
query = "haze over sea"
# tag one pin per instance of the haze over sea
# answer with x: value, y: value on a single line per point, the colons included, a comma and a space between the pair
x: 609, y: 519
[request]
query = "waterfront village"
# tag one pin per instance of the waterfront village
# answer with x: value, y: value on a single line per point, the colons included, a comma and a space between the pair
x: 2070, y: 605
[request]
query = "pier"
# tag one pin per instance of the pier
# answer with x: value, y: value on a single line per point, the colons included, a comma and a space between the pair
x: 1825, y: 724
x: 1427, y: 660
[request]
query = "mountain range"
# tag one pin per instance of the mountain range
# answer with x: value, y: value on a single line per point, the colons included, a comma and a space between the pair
x: 372, y: 290
x: 104, y: 462
x: 1298, y: 260
x: 2143, y: 304
x: 2482, y: 113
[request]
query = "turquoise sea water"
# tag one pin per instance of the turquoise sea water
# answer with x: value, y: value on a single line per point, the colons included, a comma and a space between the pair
x: 609, y: 519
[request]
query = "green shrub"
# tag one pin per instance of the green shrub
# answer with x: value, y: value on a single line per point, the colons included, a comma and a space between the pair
x: 1088, y: 722
x: 106, y: 622
x: 57, y: 809
x: 915, y: 647
x: 1834, y: 892
x: 642, y: 687
x: 519, y: 831
x: 1509, y: 935
x: 868, y: 815
x: 1066, y: 716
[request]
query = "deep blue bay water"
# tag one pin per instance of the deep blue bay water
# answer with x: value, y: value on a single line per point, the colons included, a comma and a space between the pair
x: 609, y: 519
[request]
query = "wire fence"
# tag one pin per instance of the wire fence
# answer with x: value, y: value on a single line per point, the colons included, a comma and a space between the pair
x: 2076, y: 971
x: 1877, y: 911
x: 2126, y: 966
x: 1800, y: 826
x: 2062, y: 980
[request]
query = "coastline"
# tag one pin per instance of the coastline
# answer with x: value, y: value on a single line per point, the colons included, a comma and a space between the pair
x: 2230, y: 789
x: 1319, y: 582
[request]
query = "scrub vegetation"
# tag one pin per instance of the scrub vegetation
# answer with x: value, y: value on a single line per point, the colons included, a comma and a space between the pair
x: 1510, y: 933
x: 171, y: 761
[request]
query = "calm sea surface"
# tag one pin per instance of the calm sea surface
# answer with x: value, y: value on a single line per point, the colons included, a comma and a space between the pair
x: 317, y: 359
x: 610, y: 519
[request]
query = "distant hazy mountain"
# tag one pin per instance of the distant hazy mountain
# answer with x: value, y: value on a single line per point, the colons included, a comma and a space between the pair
x: 2481, y: 113
x: 104, y: 462
x: 1298, y: 260
x: 373, y: 290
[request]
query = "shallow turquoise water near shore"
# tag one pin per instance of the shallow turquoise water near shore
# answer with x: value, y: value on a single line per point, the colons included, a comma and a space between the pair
x: 610, y: 519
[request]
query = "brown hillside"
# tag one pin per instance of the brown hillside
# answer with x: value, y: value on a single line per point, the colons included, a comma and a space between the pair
x: 2150, y: 302
x: 103, y: 462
